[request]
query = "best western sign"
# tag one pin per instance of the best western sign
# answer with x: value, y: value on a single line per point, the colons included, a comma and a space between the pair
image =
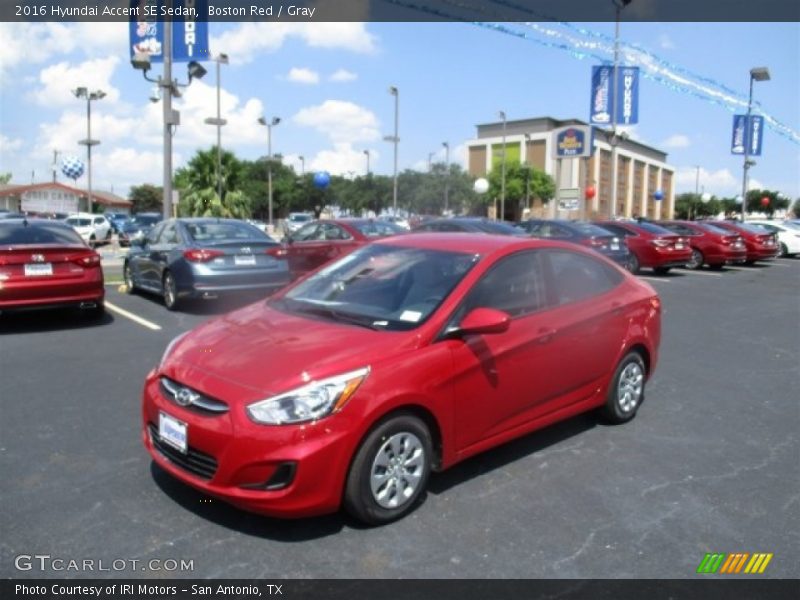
x: 574, y: 141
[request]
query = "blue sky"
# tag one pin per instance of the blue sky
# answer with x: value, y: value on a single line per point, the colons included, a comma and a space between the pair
x: 328, y: 83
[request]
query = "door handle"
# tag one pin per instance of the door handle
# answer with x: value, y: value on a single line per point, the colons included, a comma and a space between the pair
x: 545, y: 335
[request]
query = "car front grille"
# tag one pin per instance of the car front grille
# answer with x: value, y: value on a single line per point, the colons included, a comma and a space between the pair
x: 195, y: 462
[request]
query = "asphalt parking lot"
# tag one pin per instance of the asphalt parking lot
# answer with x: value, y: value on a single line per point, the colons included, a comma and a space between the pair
x: 710, y: 464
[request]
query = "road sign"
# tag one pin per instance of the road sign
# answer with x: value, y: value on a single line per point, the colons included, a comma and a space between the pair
x: 750, y: 134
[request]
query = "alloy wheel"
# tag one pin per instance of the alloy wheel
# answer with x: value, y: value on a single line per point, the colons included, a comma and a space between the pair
x: 397, y: 470
x: 630, y: 387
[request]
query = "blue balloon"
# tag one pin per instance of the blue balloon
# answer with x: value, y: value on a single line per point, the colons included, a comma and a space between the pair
x: 72, y: 167
x: 322, y: 179
x: 659, y: 195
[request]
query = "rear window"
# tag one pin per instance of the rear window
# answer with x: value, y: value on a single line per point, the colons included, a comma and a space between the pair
x: 45, y: 233
x: 592, y: 230
x: 498, y: 228
x: 652, y: 228
x: 752, y: 228
x: 299, y: 218
x: 223, y: 231
x: 146, y: 219
x: 376, y: 228
x: 77, y: 222
x: 714, y: 228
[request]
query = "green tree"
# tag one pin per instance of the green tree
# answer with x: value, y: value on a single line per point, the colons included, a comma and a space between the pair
x: 198, y: 184
x: 691, y: 206
x: 146, y: 198
x: 776, y: 202
x: 519, y: 178
x: 5, y: 178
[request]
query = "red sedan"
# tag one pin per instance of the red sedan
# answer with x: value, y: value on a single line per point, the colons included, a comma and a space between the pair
x: 319, y: 242
x: 760, y: 243
x: 45, y: 264
x: 408, y: 355
x: 650, y: 245
x: 711, y: 245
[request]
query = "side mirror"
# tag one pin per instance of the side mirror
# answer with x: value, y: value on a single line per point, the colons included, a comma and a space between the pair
x: 483, y: 320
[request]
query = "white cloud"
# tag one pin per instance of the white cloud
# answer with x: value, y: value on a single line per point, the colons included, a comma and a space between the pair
x: 8, y: 144
x: 666, y: 42
x: 676, y: 141
x: 247, y: 40
x: 123, y: 167
x: 343, y: 122
x: 342, y: 159
x: 342, y: 76
x: 60, y: 79
x: 720, y: 182
x: 301, y: 75
x: 35, y: 43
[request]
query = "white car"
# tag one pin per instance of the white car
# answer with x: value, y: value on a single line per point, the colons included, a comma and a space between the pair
x: 295, y: 221
x: 397, y: 220
x: 92, y: 228
x: 787, y: 232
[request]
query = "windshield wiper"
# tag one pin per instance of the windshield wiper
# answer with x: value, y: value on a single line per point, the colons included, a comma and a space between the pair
x: 330, y: 313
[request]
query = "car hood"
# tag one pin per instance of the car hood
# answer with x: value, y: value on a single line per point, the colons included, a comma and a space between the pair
x: 268, y: 351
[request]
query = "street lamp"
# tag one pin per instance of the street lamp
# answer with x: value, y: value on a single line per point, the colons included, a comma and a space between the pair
x: 221, y: 59
x: 366, y: 153
x: 618, y: 5
x: 170, y: 87
x: 446, y: 174
x: 430, y: 161
x: 756, y: 74
x: 502, y: 115
x: 302, y: 160
x: 83, y: 92
x: 394, y: 139
x: 269, y: 125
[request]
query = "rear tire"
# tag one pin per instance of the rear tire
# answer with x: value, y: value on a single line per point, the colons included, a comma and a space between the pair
x: 633, y: 264
x: 92, y: 241
x: 696, y: 261
x: 169, y: 291
x: 390, y: 471
x: 127, y: 275
x: 661, y: 270
x: 784, y: 251
x: 626, y: 392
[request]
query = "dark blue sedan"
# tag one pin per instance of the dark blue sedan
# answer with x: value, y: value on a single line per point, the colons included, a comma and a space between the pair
x: 188, y: 258
x: 580, y: 232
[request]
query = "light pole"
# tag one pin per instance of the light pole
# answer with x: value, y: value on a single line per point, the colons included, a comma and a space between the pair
x: 430, y: 161
x: 302, y: 160
x: 82, y: 92
x: 502, y: 115
x: 269, y: 125
x: 446, y: 174
x: 366, y: 153
x: 395, y: 139
x: 55, y: 164
x: 169, y: 87
x: 618, y: 5
x: 756, y: 74
x: 221, y: 59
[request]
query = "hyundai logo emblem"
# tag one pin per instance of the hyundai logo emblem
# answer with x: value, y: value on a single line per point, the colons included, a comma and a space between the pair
x: 39, y: 258
x: 185, y: 397
x: 246, y: 250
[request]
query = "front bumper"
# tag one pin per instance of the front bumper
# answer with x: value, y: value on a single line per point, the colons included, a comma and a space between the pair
x: 238, y: 458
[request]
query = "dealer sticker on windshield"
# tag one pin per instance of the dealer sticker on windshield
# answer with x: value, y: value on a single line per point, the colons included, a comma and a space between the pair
x: 412, y: 316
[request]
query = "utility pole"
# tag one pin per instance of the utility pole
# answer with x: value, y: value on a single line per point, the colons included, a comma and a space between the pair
x: 446, y: 174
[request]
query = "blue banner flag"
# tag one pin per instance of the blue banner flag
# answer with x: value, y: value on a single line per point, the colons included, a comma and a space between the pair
x: 189, y: 33
x: 748, y: 134
x: 602, y: 98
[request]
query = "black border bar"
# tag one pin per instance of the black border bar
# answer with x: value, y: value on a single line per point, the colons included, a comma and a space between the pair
x: 425, y: 10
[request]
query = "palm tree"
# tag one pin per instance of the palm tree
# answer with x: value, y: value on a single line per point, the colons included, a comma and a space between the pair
x: 198, y: 183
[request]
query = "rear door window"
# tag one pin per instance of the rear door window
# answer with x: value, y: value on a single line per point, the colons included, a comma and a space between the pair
x: 578, y: 276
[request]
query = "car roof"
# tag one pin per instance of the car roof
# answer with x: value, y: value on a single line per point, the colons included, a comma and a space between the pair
x: 34, y: 221
x: 469, y: 243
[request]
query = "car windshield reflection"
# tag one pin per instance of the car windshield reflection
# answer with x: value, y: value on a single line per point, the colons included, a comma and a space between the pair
x: 382, y: 287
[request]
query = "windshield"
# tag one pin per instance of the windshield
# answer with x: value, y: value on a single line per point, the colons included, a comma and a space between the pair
x: 381, y: 287
x: 146, y: 219
x: 76, y: 222
x: 302, y: 218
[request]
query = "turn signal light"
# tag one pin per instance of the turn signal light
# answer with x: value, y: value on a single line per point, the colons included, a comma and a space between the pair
x: 277, y: 251
x: 87, y: 260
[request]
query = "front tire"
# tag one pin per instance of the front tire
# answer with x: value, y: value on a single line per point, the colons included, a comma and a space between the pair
x: 390, y: 471
x: 127, y: 275
x: 784, y: 251
x: 626, y: 393
x: 633, y: 264
x: 170, y: 291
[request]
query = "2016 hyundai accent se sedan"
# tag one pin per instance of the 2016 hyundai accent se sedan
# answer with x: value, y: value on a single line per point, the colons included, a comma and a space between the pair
x: 404, y: 357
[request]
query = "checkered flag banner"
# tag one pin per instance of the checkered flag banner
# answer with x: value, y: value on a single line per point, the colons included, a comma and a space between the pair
x: 72, y: 167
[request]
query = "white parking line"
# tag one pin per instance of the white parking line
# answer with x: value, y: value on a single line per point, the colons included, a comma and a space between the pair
x: 133, y: 317
x: 690, y: 272
x: 658, y: 279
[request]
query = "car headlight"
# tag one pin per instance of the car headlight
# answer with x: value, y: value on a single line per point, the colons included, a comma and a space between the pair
x: 169, y: 348
x: 310, y: 402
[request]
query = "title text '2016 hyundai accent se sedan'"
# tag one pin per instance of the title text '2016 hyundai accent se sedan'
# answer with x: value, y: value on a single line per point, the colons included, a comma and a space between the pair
x: 404, y: 357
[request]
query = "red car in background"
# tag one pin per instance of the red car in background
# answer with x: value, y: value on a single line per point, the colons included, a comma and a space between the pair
x: 651, y: 245
x: 318, y: 242
x: 407, y: 356
x: 711, y: 245
x: 46, y: 264
x: 760, y: 243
